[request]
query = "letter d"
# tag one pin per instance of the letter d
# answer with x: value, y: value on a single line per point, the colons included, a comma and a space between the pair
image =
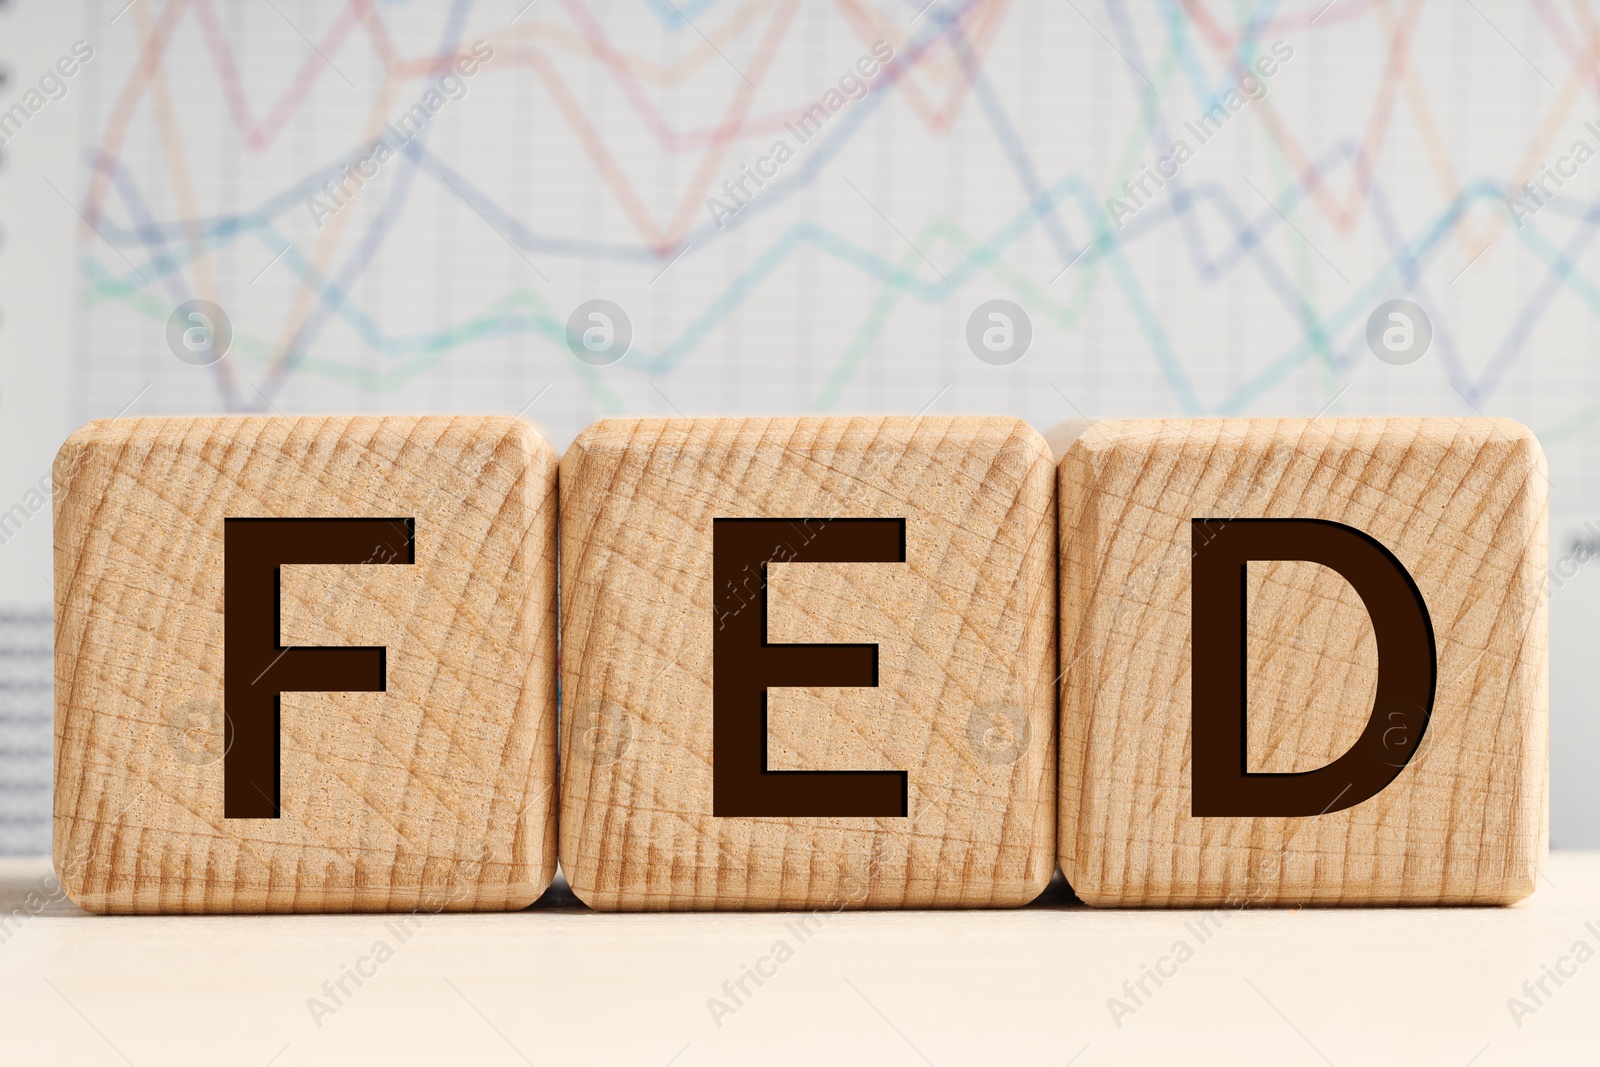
x: 1222, y: 786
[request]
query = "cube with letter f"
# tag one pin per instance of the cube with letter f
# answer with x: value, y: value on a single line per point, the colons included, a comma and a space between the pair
x: 305, y: 664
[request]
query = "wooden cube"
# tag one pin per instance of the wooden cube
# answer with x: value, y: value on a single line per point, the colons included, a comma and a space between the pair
x: 305, y: 664
x: 807, y: 663
x: 1258, y: 708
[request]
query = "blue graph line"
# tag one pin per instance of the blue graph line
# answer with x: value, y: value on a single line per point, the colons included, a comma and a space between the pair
x: 1041, y: 209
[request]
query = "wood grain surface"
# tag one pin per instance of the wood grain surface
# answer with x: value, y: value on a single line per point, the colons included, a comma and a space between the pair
x: 436, y: 794
x: 965, y: 629
x: 1461, y: 503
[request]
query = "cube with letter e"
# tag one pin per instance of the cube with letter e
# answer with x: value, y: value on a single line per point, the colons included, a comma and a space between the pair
x: 1303, y: 662
x: 807, y: 663
x: 305, y: 664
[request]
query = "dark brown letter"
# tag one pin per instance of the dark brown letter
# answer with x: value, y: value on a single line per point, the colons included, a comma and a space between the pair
x: 257, y: 668
x: 1406, y: 668
x: 744, y: 664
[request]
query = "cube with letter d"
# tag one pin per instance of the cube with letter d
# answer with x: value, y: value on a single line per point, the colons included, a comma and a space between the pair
x: 807, y: 662
x: 305, y: 664
x: 1303, y: 662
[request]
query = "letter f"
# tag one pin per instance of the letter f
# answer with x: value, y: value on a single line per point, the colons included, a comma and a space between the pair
x: 257, y: 668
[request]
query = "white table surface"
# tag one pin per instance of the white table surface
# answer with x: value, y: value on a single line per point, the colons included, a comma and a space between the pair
x: 559, y: 984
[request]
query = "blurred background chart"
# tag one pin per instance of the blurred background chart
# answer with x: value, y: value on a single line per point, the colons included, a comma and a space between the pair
x: 1336, y: 156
